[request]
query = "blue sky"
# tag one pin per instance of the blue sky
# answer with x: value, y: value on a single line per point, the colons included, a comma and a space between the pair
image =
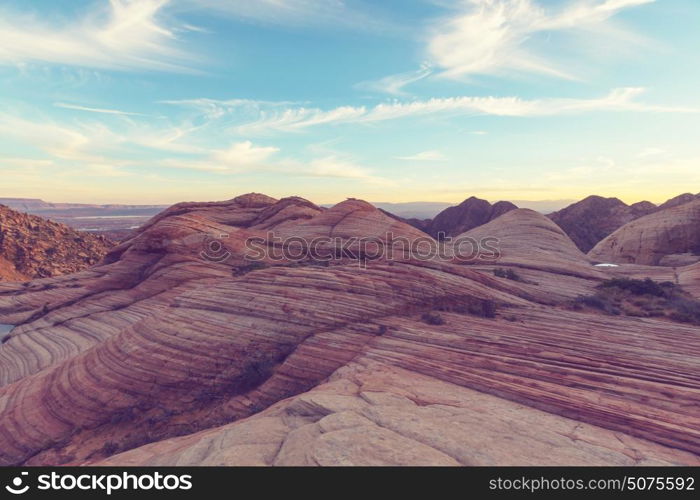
x: 159, y: 101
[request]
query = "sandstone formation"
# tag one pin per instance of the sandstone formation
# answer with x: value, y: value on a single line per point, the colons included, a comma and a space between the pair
x: 530, y: 241
x: 653, y: 238
x: 689, y: 279
x: 590, y: 220
x: 369, y: 414
x: 187, y: 345
x: 32, y: 247
x: 469, y: 214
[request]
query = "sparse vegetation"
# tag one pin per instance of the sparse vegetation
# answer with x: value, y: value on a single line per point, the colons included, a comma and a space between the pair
x: 110, y: 448
x: 488, y: 309
x: 646, y: 286
x: 642, y: 298
x: 484, y: 308
x: 695, y: 250
x: 602, y: 303
x: 508, y: 274
x: 433, y: 318
x: 248, y: 268
x: 122, y: 416
x: 685, y: 310
x: 258, y: 368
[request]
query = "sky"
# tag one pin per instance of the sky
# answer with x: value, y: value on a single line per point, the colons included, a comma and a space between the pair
x: 161, y: 101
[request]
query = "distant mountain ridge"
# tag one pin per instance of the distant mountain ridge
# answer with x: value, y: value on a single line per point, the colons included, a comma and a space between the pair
x: 589, y: 221
x: 114, y: 221
x: 593, y: 218
x: 679, y: 200
x: 472, y: 212
x: 31, y: 205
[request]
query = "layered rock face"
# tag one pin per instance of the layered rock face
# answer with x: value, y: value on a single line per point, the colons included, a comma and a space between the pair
x: 32, y: 247
x: 469, y: 214
x: 590, y: 220
x: 652, y: 239
x: 190, y: 345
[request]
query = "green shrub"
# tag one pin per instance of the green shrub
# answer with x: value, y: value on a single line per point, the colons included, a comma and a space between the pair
x: 642, y: 298
x: 646, y: 286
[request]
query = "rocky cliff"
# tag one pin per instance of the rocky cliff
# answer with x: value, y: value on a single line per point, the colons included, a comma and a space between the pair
x: 33, y: 247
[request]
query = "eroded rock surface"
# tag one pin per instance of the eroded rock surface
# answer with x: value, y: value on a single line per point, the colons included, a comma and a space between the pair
x: 651, y: 239
x: 179, y: 349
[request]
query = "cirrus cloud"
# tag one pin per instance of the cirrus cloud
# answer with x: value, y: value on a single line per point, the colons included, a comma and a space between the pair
x: 493, y: 36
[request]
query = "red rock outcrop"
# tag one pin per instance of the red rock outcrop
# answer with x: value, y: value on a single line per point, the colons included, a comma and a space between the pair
x: 590, y: 220
x: 180, y: 350
x: 653, y: 238
x: 32, y: 247
x: 471, y: 213
x: 8, y: 272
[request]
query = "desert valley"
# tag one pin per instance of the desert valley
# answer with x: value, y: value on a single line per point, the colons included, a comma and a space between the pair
x: 577, y: 343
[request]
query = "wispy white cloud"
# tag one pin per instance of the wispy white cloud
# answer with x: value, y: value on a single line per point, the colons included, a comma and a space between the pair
x: 334, y: 166
x: 216, y: 108
x: 493, y: 36
x: 96, y: 110
x: 649, y: 152
x: 125, y: 34
x: 301, y: 13
x: 632, y: 177
x: 105, y: 150
x: 244, y: 153
x: 246, y: 157
x: 93, y: 142
x: 424, y: 156
x: 394, y: 84
x: 10, y: 162
x: 296, y: 119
